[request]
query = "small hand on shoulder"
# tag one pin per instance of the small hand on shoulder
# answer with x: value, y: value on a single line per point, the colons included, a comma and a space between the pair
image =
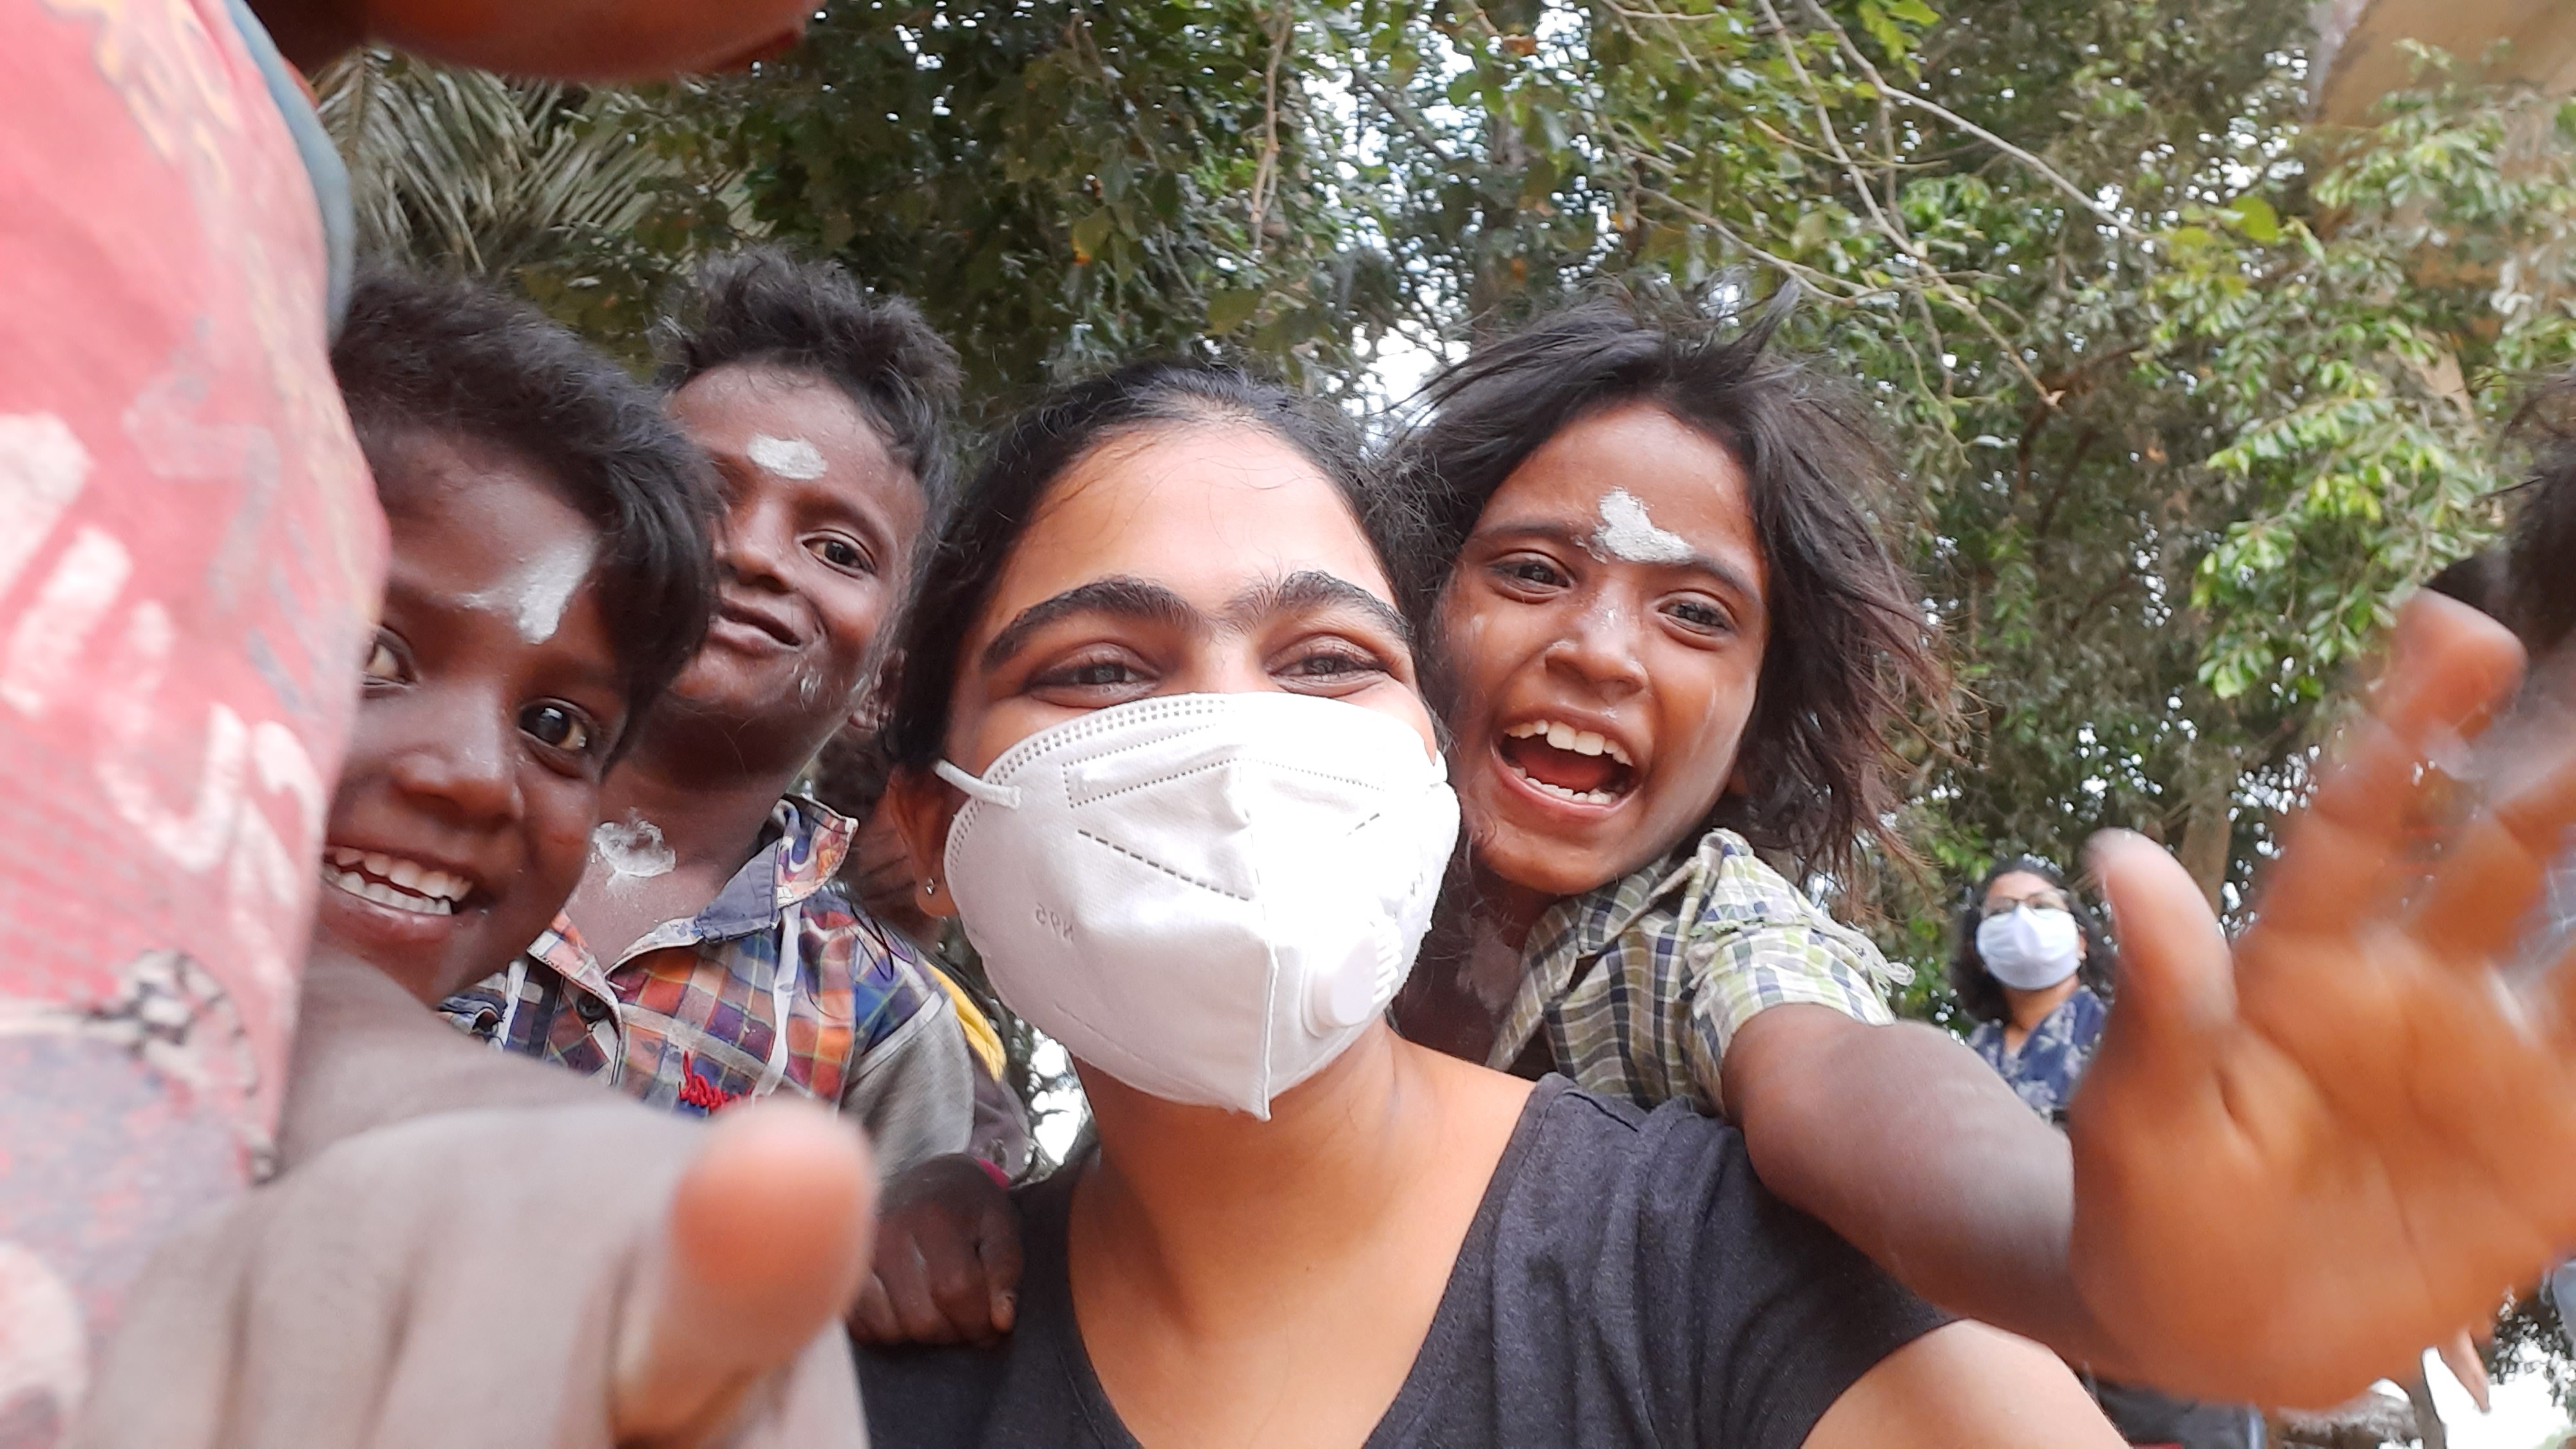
x: 947, y: 1264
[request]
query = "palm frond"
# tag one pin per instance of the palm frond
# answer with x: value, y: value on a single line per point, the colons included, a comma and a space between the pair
x: 543, y: 185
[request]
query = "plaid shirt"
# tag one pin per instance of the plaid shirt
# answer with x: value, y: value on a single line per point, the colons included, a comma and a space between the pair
x: 687, y: 1019
x: 1640, y: 984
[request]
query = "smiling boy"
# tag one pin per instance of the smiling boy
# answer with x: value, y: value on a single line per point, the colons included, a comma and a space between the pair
x: 549, y: 576
x: 707, y: 955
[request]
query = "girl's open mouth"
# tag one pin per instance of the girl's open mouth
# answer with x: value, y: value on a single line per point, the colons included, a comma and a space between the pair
x: 1579, y: 766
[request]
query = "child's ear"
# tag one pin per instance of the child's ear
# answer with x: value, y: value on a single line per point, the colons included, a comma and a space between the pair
x: 922, y: 804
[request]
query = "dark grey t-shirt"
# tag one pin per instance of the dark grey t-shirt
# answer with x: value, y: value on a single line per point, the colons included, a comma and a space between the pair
x: 1626, y: 1282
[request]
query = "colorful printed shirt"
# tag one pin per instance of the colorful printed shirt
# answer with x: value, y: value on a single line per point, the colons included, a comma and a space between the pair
x: 190, y: 554
x: 2052, y: 1058
x: 689, y: 1018
x: 1640, y: 984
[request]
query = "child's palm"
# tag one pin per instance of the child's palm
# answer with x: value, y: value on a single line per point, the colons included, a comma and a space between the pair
x: 2338, y: 1148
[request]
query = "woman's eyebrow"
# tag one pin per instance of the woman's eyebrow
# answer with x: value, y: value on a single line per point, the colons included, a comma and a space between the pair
x: 1311, y: 589
x: 1120, y: 595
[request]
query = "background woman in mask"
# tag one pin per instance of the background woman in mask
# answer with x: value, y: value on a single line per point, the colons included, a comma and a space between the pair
x: 1159, y: 742
x: 2035, y: 969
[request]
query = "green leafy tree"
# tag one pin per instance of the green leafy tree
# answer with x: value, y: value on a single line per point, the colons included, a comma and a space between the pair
x: 1065, y: 184
x: 587, y: 201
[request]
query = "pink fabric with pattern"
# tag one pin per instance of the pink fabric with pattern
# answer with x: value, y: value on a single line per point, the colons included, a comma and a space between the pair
x: 189, y: 553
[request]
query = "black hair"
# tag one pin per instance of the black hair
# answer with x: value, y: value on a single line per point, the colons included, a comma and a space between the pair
x: 2483, y: 581
x: 2540, y: 548
x: 1980, y: 995
x: 973, y: 544
x: 1849, y: 639
x: 453, y: 359
x: 761, y: 305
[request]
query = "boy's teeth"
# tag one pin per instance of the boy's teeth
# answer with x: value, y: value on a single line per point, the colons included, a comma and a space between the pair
x: 1586, y: 743
x: 390, y: 880
x: 387, y: 895
x: 1561, y: 736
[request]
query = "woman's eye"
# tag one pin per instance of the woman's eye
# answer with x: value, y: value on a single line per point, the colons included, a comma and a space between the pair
x: 1334, y: 664
x: 1094, y: 674
x: 384, y: 663
x: 840, y: 553
x: 556, y: 727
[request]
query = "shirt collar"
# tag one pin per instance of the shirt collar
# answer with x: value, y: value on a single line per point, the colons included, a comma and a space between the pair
x: 1581, y: 926
x: 802, y: 846
x: 806, y: 841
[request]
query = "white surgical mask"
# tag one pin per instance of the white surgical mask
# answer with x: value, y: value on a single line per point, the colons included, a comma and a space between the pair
x: 1207, y: 896
x: 2030, y: 950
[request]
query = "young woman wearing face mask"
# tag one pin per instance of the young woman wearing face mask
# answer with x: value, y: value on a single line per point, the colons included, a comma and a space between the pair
x: 1158, y: 735
x: 2034, y: 968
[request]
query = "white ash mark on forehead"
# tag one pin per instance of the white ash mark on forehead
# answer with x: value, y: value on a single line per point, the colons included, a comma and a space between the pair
x: 1626, y: 532
x: 632, y: 849
x: 787, y: 457
x: 536, y: 596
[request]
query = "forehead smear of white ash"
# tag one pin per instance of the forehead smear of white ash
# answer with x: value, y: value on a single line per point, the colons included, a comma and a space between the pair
x: 1627, y: 532
x: 787, y: 457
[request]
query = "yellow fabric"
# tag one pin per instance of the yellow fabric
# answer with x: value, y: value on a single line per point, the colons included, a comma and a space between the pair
x: 981, y: 1038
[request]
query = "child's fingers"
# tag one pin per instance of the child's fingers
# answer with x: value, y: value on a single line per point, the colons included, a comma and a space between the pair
x: 2348, y: 853
x: 2461, y: 1357
x: 997, y: 1242
x: 904, y: 1266
x: 957, y: 1289
x: 872, y: 1321
x: 2177, y: 986
x: 764, y: 1246
x: 2491, y: 875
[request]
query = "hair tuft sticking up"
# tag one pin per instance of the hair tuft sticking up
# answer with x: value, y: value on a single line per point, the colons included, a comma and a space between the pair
x: 423, y: 355
x: 763, y: 306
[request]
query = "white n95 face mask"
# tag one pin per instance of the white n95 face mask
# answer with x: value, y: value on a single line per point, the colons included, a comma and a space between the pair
x: 2029, y: 950
x: 1207, y: 896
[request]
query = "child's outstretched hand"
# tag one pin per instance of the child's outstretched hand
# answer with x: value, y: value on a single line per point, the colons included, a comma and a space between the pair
x: 572, y: 1277
x: 947, y: 1261
x: 2296, y: 1168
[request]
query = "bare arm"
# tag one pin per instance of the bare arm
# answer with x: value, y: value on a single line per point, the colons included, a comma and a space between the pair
x: 1902, y: 1141
x: 1965, y: 1387
x: 368, y: 1055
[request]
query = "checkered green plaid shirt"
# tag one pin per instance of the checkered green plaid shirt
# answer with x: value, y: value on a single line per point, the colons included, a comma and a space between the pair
x: 1640, y: 985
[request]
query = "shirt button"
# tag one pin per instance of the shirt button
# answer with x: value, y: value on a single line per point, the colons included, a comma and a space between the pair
x: 589, y: 1008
